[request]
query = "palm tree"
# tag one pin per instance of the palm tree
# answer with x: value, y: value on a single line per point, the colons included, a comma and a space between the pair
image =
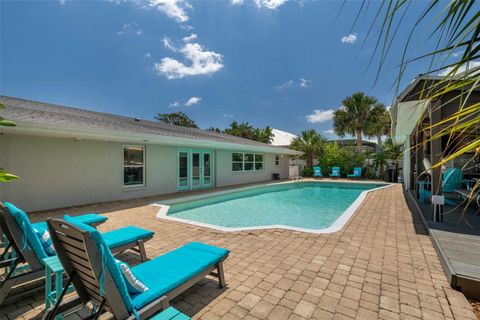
x: 380, y: 125
x: 356, y: 116
x: 243, y: 130
x: 310, y: 142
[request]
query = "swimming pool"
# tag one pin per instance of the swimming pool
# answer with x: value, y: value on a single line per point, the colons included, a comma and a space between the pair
x: 306, y: 206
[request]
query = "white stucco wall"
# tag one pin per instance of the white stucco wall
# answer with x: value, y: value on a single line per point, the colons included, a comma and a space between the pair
x: 57, y: 173
x: 227, y: 177
x: 60, y: 172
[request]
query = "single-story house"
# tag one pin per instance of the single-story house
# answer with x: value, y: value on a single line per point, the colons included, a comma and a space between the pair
x: 68, y: 156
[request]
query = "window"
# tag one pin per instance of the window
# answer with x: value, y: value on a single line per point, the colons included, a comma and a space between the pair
x: 247, y: 162
x: 237, y: 161
x: 133, y: 166
x: 277, y: 160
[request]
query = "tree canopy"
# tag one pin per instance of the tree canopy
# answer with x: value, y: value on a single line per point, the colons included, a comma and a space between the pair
x: 358, y: 115
x: 176, y: 119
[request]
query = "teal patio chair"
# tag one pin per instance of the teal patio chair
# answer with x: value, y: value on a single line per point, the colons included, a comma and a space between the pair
x: 98, y: 278
x: 335, y: 172
x: 357, y: 173
x: 317, y: 172
x: 452, y: 179
x: 28, y: 248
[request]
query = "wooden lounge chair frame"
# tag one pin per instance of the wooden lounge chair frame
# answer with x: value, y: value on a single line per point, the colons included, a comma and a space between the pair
x: 14, y: 235
x: 82, y: 262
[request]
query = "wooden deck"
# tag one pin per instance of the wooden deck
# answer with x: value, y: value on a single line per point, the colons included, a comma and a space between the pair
x: 457, y: 241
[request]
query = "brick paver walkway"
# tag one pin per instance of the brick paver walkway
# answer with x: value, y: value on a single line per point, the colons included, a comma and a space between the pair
x: 380, y: 266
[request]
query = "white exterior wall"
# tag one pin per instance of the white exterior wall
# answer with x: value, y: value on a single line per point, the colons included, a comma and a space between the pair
x: 227, y: 177
x: 61, y: 172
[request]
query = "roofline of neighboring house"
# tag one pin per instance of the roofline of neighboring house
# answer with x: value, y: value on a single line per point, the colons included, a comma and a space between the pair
x: 79, y: 133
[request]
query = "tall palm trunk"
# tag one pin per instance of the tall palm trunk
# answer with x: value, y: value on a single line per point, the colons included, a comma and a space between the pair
x: 359, y: 140
x: 309, y: 161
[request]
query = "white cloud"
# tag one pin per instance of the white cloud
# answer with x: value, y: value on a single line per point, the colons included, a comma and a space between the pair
x: 270, y: 4
x: 351, y: 38
x: 186, y: 27
x: 319, y: 116
x: 62, y: 2
x: 190, y: 38
x: 189, y: 102
x: 285, y: 85
x: 148, y: 55
x: 202, y: 62
x: 236, y: 2
x: 330, y: 131
x: 175, y: 9
x: 471, y: 65
x: 192, y: 101
x: 305, y: 83
x: 167, y: 43
x: 228, y: 115
x: 131, y: 28
x: 457, y: 54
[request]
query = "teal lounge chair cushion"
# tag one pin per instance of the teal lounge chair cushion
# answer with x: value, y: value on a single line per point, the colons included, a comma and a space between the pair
x: 170, y: 314
x: 119, y: 237
x: 317, y: 172
x: 88, y: 218
x: 168, y: 271
x: 108, y: 261
x: 335, y: 172
x: 29, y: 236
x: 357, y: 172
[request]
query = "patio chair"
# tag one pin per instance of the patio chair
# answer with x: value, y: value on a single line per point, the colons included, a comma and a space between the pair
x: 27, y: 248
x: 452, y: 179
x: 317, y: 172
x: 357, y: 173
x: 335, y: 172
x: 97, y: 277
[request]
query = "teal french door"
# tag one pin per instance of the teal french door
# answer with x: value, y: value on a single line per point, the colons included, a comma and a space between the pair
x: 195, y: 169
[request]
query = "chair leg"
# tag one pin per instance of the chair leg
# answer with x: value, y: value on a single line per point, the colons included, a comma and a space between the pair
x: 143, y: 253
x: 221, y: 275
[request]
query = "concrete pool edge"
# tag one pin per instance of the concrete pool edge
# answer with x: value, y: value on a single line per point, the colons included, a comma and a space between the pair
x: 339, y: 223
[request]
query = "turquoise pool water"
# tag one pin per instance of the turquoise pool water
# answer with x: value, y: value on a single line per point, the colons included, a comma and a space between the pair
x: 309, y: 205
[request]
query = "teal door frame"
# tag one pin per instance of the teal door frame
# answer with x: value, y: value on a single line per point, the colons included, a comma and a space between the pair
x: 200, y: 180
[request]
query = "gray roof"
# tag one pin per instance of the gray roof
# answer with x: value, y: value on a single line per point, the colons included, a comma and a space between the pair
x: 41, y: 113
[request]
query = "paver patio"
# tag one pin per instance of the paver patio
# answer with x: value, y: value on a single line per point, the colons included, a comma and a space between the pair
x: 381, y: 265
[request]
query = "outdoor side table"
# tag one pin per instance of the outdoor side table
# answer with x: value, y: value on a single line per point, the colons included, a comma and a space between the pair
x: 53, y: 290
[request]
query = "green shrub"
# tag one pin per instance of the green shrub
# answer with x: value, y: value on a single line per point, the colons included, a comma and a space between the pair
x: 307, y: 172
x: 335, y: 155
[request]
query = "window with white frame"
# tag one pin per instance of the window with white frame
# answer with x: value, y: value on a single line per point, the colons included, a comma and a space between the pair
x: 277, y: 160
x: 247, y: 161
x: 133, y: 166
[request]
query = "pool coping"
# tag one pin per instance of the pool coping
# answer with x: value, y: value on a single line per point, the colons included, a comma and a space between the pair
x: 335, y: 227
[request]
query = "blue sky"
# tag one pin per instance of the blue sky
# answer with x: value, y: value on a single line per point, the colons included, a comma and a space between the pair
x: 286, y: 64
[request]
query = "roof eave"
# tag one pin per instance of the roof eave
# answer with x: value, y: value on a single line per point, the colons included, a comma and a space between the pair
x: 29, y: 128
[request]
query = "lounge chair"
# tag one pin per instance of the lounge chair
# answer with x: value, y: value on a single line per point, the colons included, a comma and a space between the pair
x: 452, y: 179
x: 335, y: 172
x: 357, y: 173
x: 27, y: 248
x: 317, y: 172
x: 97, y: 278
